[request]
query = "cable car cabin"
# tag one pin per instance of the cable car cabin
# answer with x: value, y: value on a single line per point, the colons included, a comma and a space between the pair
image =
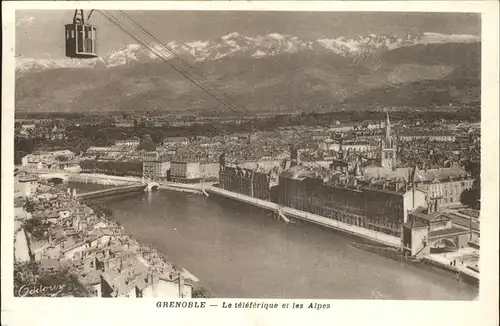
x: 81, y: 41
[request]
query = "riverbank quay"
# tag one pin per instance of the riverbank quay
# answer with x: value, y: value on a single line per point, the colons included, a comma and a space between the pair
x: 376, y: 242
x: 110, y: 180
x: 103, y: 179
x: 463, y: 263
x: 196, y: 188
x: 371, y: 235
x: 77, y: 177
x: 65, y: 233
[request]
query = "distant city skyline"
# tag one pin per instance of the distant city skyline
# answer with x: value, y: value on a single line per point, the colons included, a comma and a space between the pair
x: 39, y: 33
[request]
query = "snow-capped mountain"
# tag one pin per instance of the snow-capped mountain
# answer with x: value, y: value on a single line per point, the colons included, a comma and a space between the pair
x: 235, y: 44
x: 263, y: 73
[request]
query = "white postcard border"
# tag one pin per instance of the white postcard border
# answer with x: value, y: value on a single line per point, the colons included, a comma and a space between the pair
x: 23, y: 311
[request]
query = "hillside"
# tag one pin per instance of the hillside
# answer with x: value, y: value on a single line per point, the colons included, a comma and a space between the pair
x: 287, y: 75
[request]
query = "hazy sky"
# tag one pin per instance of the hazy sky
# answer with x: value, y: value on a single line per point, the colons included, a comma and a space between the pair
x: 40, y: 33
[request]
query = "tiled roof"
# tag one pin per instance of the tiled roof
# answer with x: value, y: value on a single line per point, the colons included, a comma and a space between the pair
x: 427, y: 133
x: 371, y: 172
x: 421, y: 213
x: 443, y: 174
x: 90, y: 278
x: 130, y: 275
x: 261, y: 166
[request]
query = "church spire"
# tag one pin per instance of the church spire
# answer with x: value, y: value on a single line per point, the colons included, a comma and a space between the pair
x: 388, y: 146
x: 387, y: 125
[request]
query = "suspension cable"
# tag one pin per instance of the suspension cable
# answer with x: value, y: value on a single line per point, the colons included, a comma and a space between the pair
x: 180, y: 70
x: 194, y: 69
x: 184, y: 73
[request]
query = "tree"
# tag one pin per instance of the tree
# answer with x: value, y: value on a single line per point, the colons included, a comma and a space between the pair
x: 36, y: 228
x: 88, y: 165
x: 147, y: 143
x: 32, y: 281
x: 101, y: 138
x: 472, y: 197
x: 466, y: 197
x: 23, y: 144
x: 18, y: 156
x: 201, y: 292
x: 476, y: 193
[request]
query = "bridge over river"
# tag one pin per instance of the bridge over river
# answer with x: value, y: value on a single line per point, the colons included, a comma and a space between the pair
x: 121, y: 185
x: 112, y: 191
x: 66, y: 176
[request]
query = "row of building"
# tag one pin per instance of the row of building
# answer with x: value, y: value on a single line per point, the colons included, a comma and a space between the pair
x: 375, y: 197
x: 59, y: 232
x: 409, y: 209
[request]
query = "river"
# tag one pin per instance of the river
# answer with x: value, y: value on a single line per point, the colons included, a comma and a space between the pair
x: 239, y: 251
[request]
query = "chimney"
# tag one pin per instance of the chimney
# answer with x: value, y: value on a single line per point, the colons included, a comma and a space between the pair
x: 294, y: 156
x: 429, y: 207
x: 181, y: 285
x: 151, y: 278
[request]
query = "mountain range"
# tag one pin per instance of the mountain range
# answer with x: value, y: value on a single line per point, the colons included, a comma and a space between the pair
x: 279, y: 73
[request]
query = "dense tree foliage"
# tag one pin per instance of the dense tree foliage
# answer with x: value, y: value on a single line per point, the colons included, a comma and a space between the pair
x: 37, y: 228
x: 121, y: 168
x: 30, y: 280
x: 201, y: 292
x: 472, y: 197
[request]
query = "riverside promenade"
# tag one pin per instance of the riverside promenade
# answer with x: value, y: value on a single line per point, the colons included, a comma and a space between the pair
x: 372, y: 235
x: 463, y: 258
x: 195, y: 188
x: 441, y: 261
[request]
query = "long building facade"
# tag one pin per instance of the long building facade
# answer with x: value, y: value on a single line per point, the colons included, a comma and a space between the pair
x: 251, y: 179
x: 383, y: 210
